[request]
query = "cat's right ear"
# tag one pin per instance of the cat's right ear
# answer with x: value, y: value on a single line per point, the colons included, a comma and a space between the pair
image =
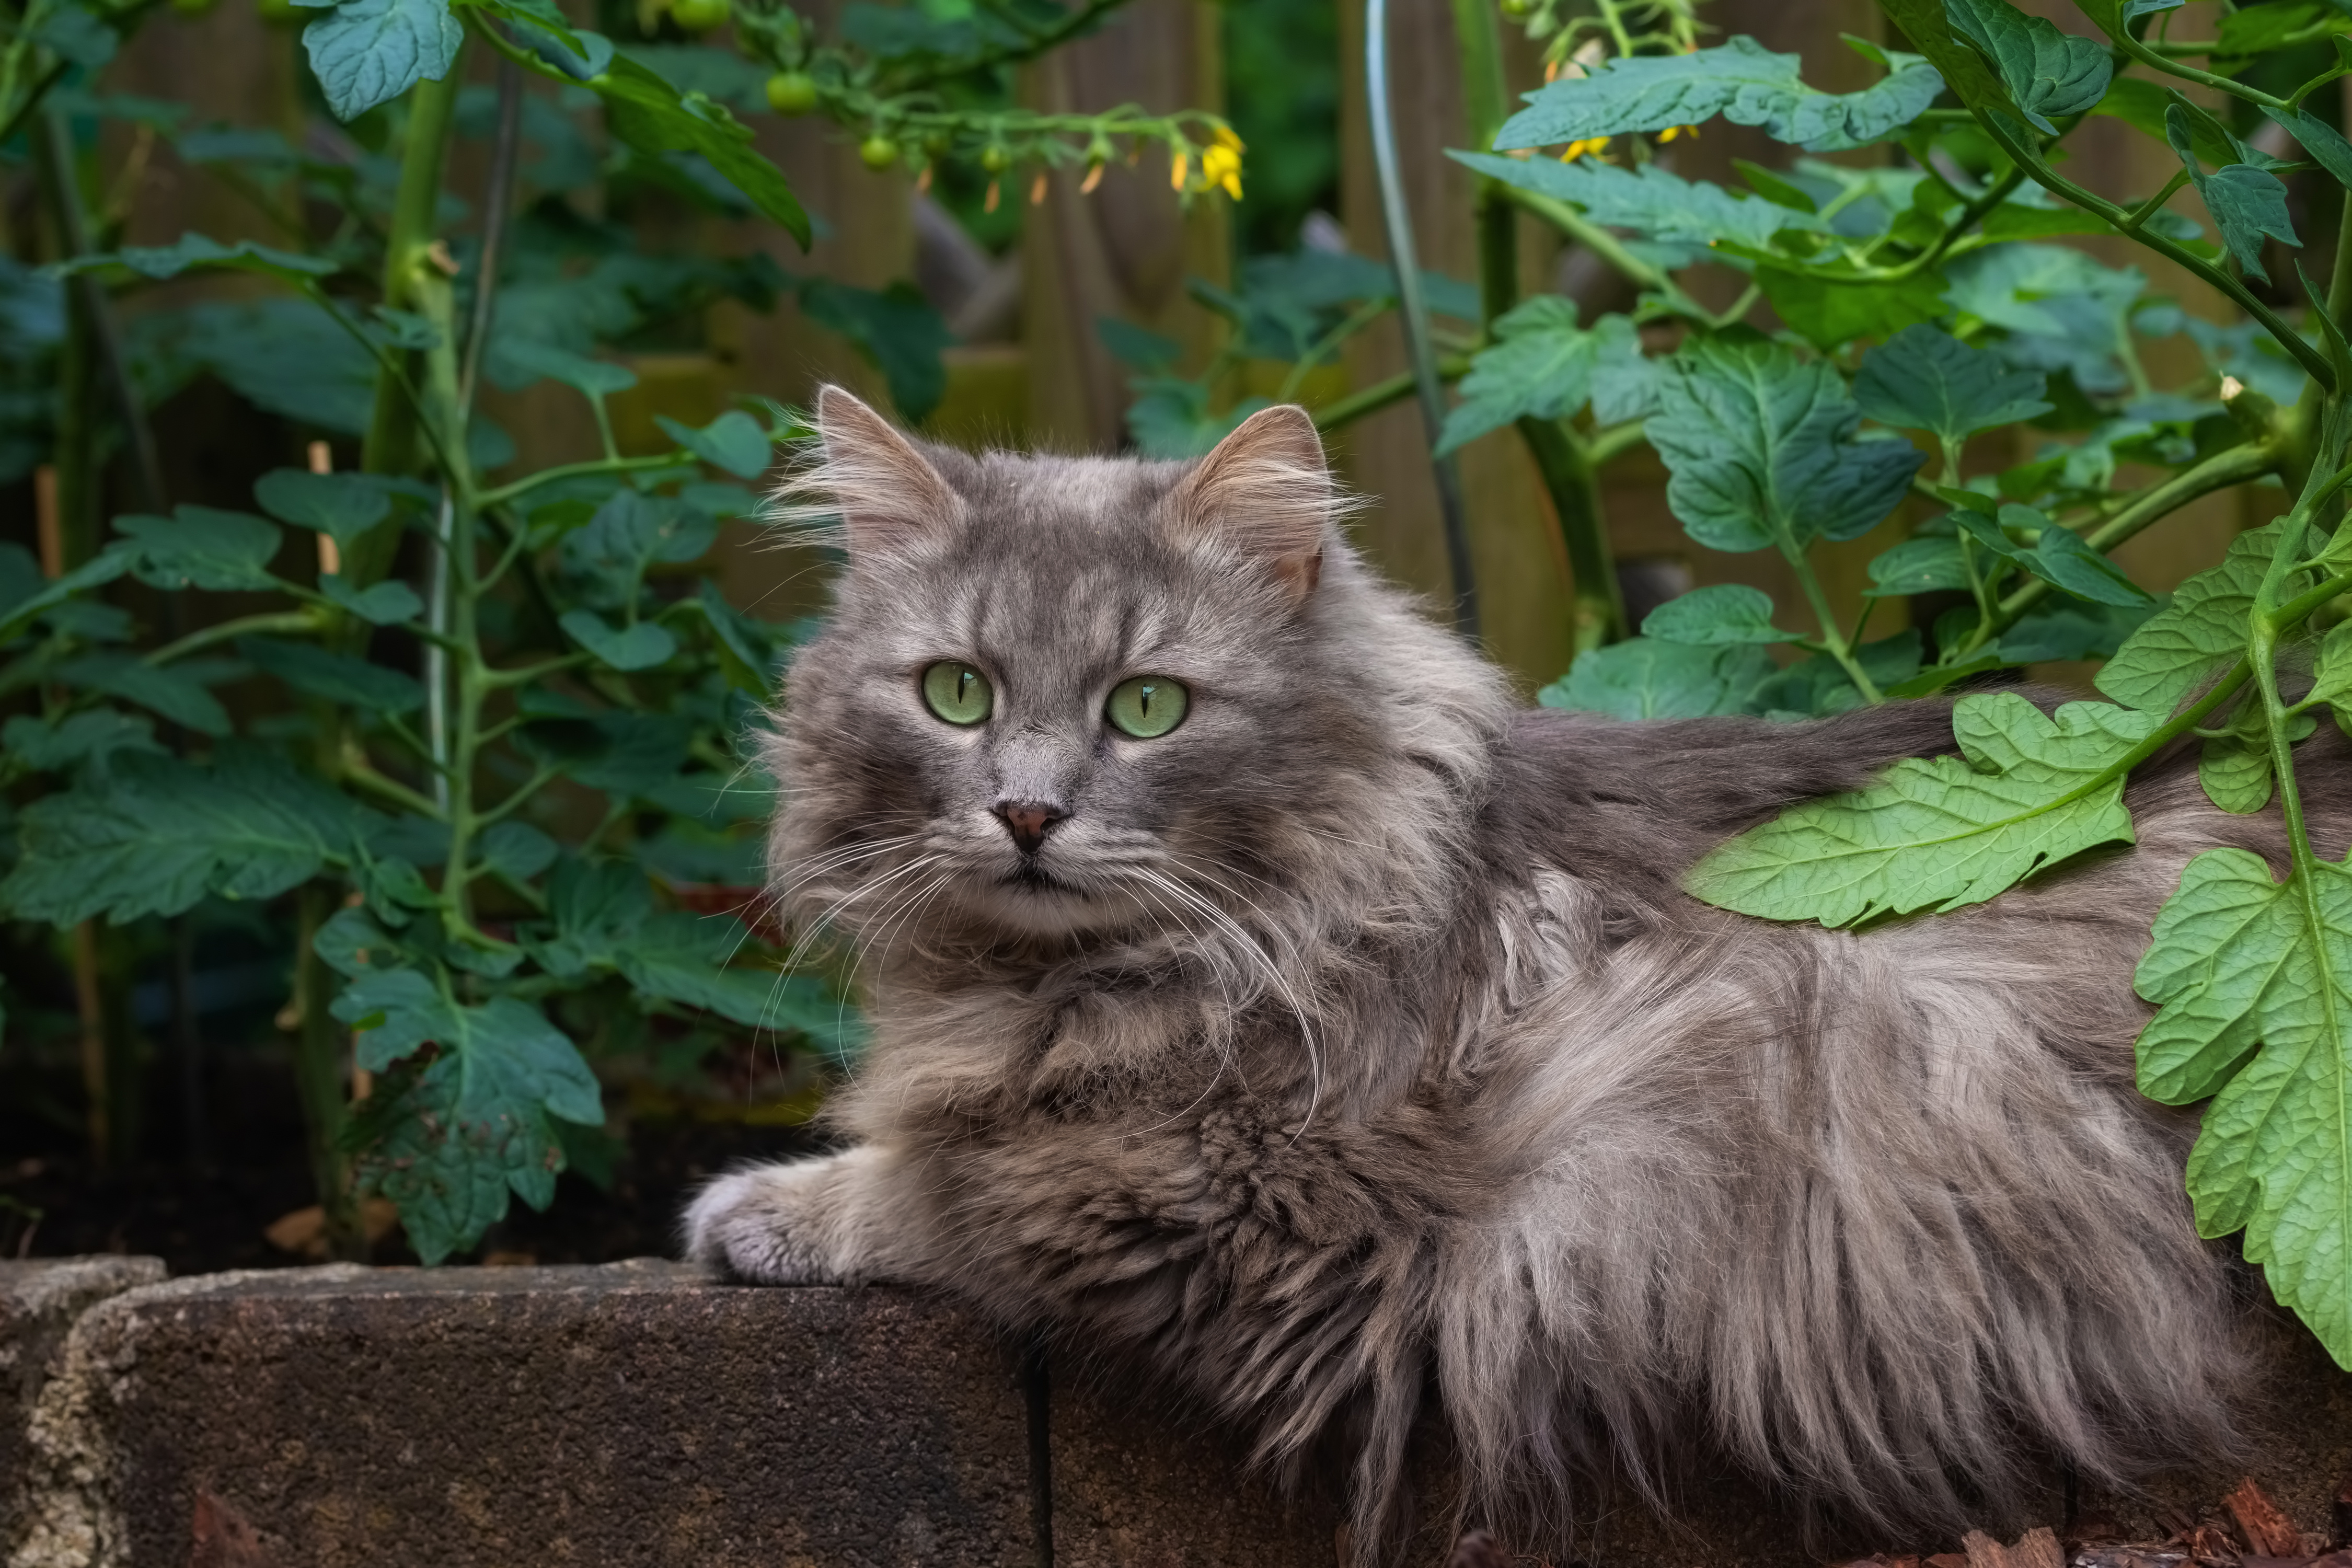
x: 1265, y: 491
x: 891, y: 501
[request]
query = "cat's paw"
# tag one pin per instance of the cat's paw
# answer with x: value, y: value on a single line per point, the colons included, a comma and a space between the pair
x: 761, y: 1225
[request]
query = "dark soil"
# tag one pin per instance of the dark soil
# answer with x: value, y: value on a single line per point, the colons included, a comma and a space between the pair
x: 201, y: 1217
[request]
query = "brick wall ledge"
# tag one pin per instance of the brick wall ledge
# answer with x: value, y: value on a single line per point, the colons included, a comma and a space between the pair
x: 642, y: 1413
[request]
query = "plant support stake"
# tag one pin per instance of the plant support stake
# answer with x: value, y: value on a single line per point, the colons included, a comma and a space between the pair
x: 1397, y: 218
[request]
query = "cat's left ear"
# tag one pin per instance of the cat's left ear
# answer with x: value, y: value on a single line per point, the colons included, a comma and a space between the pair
x: 1266, y: 492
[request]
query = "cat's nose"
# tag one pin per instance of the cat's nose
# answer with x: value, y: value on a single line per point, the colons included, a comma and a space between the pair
x: 1027, y: 821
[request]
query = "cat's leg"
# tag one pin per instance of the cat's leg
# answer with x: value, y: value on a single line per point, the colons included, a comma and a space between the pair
x: 832, y: 1220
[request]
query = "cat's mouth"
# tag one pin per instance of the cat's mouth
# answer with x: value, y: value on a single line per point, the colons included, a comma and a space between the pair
x: 1031, y: 876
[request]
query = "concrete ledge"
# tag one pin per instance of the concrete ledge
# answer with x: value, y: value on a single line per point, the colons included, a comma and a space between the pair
x: 642, y: 1413
x: 39, y: 1302
x: 630, y: 1414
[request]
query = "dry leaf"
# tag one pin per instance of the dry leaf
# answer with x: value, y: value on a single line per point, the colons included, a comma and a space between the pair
x: 2268, y: 1531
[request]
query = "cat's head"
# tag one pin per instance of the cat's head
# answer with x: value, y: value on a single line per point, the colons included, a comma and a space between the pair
x: 1076, y: 696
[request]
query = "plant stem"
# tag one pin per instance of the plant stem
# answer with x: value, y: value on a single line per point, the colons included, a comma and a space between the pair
x: 1593, y: 238
x: 410, y: 261
x: 1597, y: 609
x: 298, y: 621
x: 318, y: 1050
x: 1833, y: 639
x: 1381, y: 394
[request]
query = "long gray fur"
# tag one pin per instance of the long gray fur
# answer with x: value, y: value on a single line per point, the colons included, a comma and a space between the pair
x: 1363, y: 1066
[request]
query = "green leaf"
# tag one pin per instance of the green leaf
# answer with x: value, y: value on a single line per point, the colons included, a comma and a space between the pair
x: 1939, y: 832
x: 90, y: 738
x: 366, y: 52
x: 2325, y: 145
x: 2069, y: 631
x: 2235, y: 768
x: 197, y: 250
x: 2247, y: 202
x: 517, y: 850
x: 640, y: 647
x: 1728, y: 613
x: 1927, y: 565
x: 338, y: 676
x: 2243, y: 967
x: 1821, y: 685
x: 525, y: 360
x: 894, y: 328
x: 20, y: 616
x: 2201, y: 629
x: 1663, y: 205
x: 2047, y: 72
x: 448, y: 1143
x: 1831, y: 312
x: 1926, y: 379
x: 155, y: 835
x: 1760, y: 450
x: 744, y: 654
x: 654, y: 117
x: 202, y: 547
x: 170, y: 691
x: 2258, y: 29
x: 1647, y: 678
x: 341, y: 506
x: 1742, y: 81
x: 734, y: 441
x: 1541, y: 365
x: 2061, y: 556
x: 384, y: 605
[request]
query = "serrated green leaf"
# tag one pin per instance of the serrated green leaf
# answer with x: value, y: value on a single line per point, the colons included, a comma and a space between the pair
x: 1541, y: 365
x: 1741, y: 81
x: 2247, y: 203
x: 448, y: 1143
x: 2066, y: 631
x: 640, y: 647
x: 518, y: 849
x: 1940, y: 832
x: 2258, y: 29
x: 366, y: 52
x: 383, y: 605
x: 2242, y: 967
x: 654, y: 117
x: 156, y: 835
x: 201, y: 547
x: 20, y: 616
x: 76, y: 739
x: 1831, y: 312
x: 341, y: 506
x: 1650, y: 200
x: 1929, y: 565
x: 526, y: 360
x: 1727, y: 612
x: 337, y: 677
x: 1926, y: 379
x: 169, y: 690
x: 1647, y: 677
x: 734, y: 441
x: 2201, y: 629
x: 202, y: 251
x: 745, y: 652
x: 1760, y: 450
x: 2325, y: 145
x: 2047, y: 72
x: 2061, y: 556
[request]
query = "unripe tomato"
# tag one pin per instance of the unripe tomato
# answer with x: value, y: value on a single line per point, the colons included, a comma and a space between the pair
x: 1518, y: 8
x: 284, y: 13
x: 700, y: 16
x: 791, y: 92
x: 995, y: 160
x: 877, y: 152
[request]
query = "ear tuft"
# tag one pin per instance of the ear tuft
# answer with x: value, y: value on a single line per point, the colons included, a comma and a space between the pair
x: 1265, y: 491
x: 890, y: 499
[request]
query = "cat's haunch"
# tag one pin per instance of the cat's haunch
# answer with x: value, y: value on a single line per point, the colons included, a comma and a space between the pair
x: 1258, y: 992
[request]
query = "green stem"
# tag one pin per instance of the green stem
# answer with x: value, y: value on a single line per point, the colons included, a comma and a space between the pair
x: 1593, y: 238
x: 501, y: 495
x: 1382, y: 393
x: 1833, y: 639
x: 393, y: 444
x: 300, y: 622
x: 1597, y: 607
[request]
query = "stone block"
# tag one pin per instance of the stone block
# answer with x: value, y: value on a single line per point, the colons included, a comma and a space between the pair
x: 39, y: 1300
x: 1138, y: 1484
x: 635, y: 1414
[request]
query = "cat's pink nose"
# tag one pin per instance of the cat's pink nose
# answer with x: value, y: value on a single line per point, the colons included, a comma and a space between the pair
x: 1027, y: 821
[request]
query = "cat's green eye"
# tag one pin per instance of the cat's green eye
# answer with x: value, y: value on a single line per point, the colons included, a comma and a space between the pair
x: 958, y: 693
x: 1147, y: 707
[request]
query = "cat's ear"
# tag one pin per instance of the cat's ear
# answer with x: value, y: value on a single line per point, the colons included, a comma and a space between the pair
x: 890, y: 499
x: 1266, y: 492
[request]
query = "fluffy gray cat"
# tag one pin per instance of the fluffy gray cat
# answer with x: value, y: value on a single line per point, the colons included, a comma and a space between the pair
x: 1258, y: 990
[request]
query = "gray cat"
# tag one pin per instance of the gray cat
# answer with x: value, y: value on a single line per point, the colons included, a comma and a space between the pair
x: 1257, y: 989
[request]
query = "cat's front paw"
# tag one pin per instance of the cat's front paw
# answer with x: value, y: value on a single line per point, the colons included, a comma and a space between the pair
x: 761, y: 1225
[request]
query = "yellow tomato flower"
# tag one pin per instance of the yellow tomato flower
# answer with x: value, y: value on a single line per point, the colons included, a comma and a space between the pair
x: 1178, y: 170
x: 1221, y: 165
x: 1671, y: 131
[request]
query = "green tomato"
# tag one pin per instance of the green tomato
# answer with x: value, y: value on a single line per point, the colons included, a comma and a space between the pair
x: 995, y: 160
x: 1518, y: 8
x: 791, y: 92
x: 877, y: 152
x: 284, y: 13
x: 958, y: 693
x: 701, y: 15
x: 1147, y: 707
